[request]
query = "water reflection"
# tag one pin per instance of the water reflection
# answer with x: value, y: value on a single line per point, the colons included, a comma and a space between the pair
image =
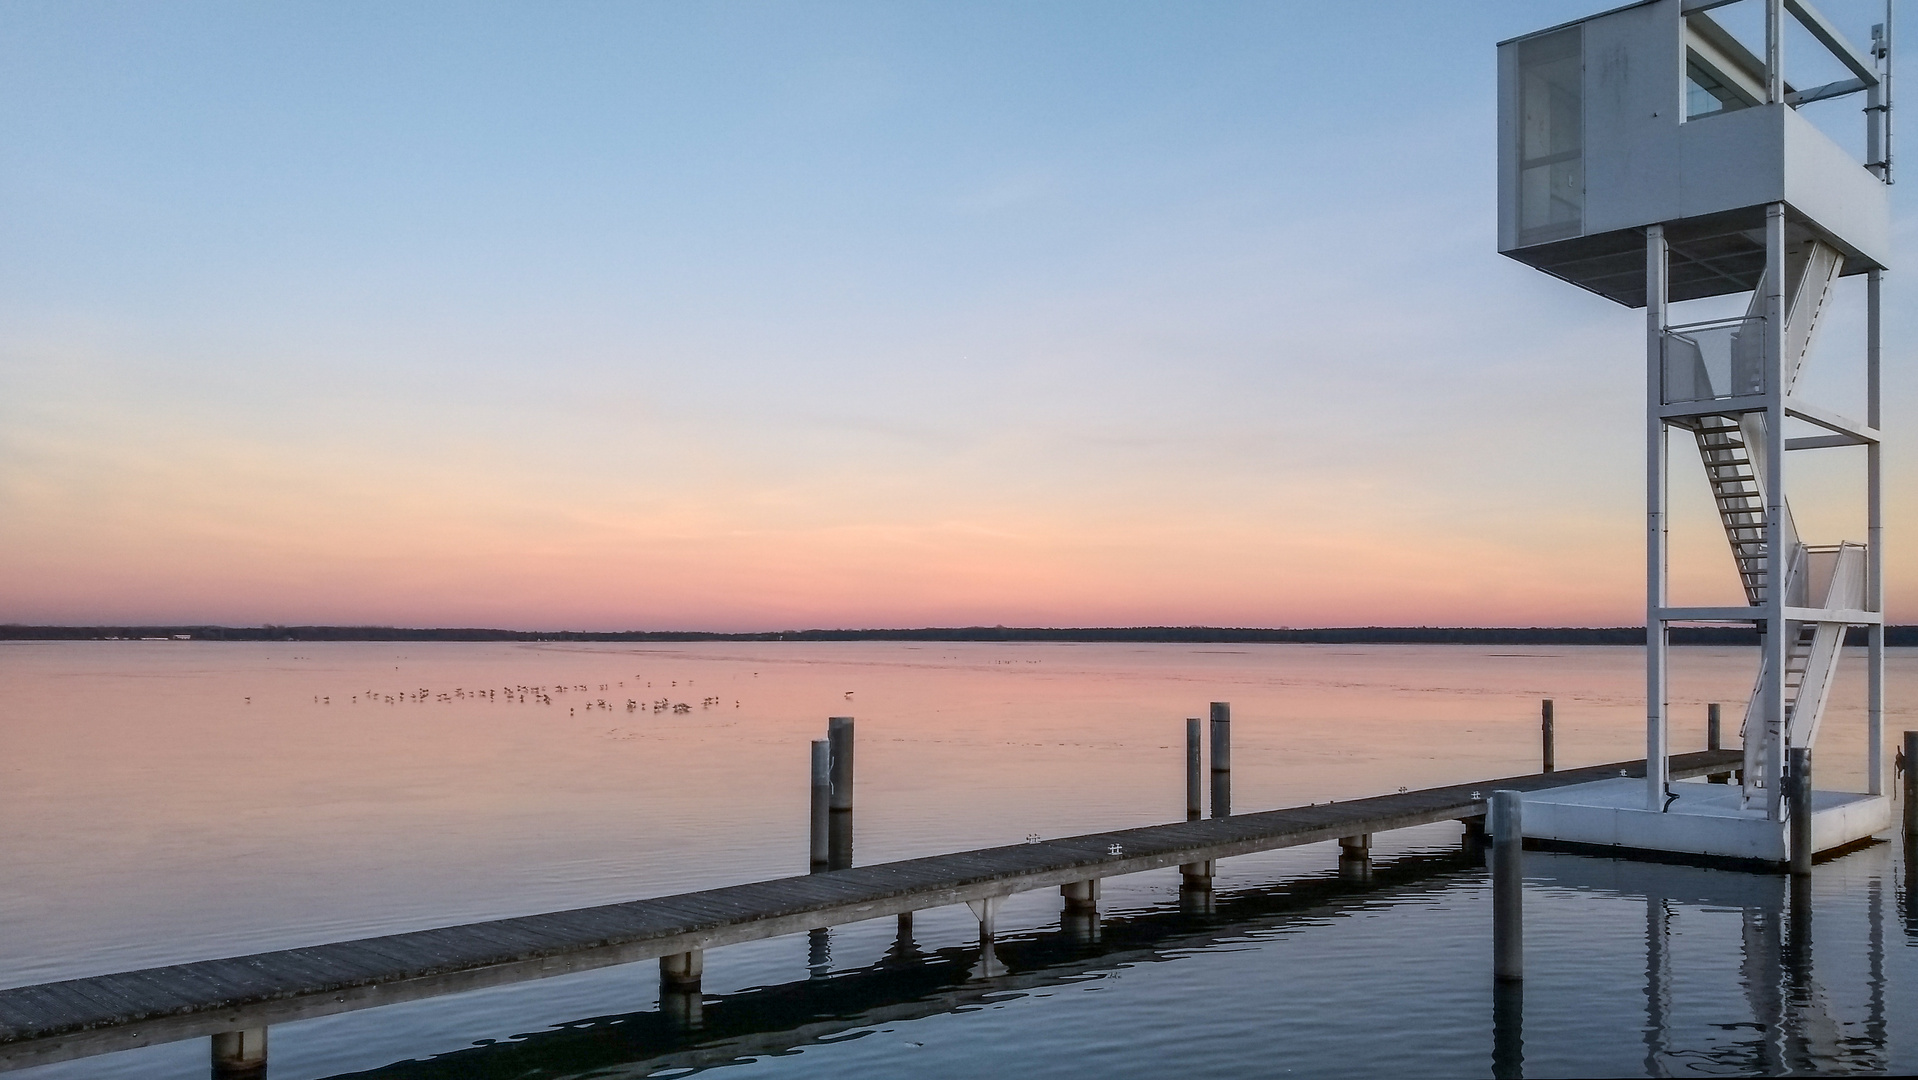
x: 1508, y: 1029
x: 911, y: 983
x: 1790, y: 1023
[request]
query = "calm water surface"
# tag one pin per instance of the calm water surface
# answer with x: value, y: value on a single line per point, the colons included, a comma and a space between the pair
x: 172, y: 801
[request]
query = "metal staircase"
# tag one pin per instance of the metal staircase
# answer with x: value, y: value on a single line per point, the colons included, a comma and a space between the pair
x: 1732, y: 447
x: 1740, y: 499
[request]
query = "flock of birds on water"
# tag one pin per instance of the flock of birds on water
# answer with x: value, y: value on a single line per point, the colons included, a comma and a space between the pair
x: 520, y: 695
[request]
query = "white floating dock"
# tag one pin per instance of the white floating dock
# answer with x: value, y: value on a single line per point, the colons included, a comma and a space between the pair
x: 1705, y: 819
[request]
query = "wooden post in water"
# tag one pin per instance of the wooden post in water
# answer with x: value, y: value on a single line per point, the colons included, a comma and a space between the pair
x: 239, y: 1055
x: 1508, y: 886
x: 1194, y: 787
x: 821, y: 803
x: 1221, y: 759
x: 839, y: 734
x: 1800, y: 794
x: 1545, y: 730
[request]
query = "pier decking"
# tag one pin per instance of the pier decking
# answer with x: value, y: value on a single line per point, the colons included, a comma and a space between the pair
x: 81, y: 1017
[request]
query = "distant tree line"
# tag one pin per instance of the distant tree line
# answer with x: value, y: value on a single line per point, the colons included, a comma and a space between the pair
x: 1196, y: 635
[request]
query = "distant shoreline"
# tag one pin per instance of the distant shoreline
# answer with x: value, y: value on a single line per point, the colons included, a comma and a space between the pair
x: 1170, y: 635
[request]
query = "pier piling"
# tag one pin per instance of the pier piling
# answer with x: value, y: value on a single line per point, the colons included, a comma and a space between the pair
x: 680, y: 999
x: 821, y: 803
x: 239, y: 1055
x: 1081, y: 895
x: 1508, y: 886
x: 1355, y: 857
x: 986, y: 910
x: 1221, y: 759
x: 1799, y: 792
x: 1080, y: 917
x: 1547, y: 737
x: 682, y: 971
x: 1194, y: 786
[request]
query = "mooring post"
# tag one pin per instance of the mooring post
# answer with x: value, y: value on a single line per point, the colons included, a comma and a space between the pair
x: 1355, y: 857
x: 1508, y: 881
x: 1194, y: 787
x: 821, y: 803
x: 239, y: 1055
x: 839, y: 840
x: 1800, y: 795
x: 1546, y: 735
x: 839, y: 735
x: 1221, y: 759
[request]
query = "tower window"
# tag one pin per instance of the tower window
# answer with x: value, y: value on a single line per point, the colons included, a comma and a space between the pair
x: 1708, y: 93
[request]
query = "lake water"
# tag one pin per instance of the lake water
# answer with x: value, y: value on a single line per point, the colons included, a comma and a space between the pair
x: 171, y: 801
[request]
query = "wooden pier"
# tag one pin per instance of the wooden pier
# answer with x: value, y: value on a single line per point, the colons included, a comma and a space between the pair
x: 246, y: 994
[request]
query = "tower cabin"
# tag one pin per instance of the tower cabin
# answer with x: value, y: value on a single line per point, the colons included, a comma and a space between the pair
x: 1654, y: 113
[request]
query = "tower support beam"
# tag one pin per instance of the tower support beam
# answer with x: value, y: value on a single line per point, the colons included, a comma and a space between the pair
x: 1777, y: 559
x: 1657, y: 266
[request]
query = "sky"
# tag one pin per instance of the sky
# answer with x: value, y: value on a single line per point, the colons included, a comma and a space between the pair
x: 754, y: 315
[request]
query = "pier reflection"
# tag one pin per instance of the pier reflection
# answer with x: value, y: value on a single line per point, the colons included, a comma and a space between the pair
x: 1779, y: 1019
x: 911, y: 982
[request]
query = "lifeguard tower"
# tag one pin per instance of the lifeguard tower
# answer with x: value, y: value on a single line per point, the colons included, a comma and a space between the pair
x: 1651, y: 156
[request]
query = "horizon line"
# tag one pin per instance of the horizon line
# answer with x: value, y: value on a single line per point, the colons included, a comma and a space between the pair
x: 1897, y: 636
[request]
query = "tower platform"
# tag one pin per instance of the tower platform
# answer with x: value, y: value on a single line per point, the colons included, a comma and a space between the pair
x: 1705, y: 820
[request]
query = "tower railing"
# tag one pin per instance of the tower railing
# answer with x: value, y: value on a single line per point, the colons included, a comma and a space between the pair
x: 1710, y: 361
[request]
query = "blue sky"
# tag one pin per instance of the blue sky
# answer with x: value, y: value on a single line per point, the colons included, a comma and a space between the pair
x: 747, y: 315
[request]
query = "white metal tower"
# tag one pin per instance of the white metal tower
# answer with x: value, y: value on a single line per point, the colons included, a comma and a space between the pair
x: 1649, y: 155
